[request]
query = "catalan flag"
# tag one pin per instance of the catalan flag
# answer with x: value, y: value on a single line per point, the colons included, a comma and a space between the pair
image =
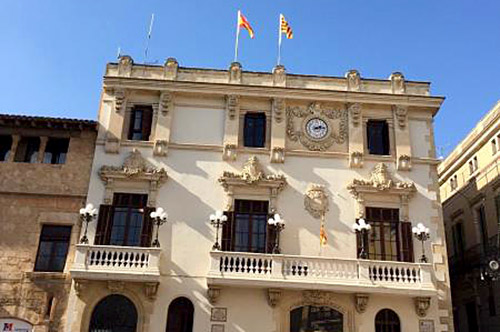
x: 323, y: 238
x: 243, y: 23
x: 285, y: 27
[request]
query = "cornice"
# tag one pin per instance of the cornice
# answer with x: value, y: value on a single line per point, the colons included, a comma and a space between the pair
x: 433, y: 102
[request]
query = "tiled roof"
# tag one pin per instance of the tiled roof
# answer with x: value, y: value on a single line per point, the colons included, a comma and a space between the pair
x: 11, y: 120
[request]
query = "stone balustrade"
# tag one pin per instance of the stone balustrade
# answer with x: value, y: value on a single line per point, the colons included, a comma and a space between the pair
x: 102, y: 262
x: 287, y: 271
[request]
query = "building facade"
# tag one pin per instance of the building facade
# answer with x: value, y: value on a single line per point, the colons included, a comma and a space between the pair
x: 45, y: 167
x: 320, y: 153
x: 469, y: 185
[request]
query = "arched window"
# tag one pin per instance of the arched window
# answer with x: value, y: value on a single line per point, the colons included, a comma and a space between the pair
x: 180, y: 315
x: 114, y: 313
x: 312, y: 318
x: 387, y: 321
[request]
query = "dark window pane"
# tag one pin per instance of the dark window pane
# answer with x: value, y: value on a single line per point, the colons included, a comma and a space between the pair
x: 387, y: 321
x: 128, y: 219
x: 56, y: 151
x: 254, y: 132
x: 384, y: 239
x: 27, y: 150
x: 53, y: 248
x: 180, y: 315
x: 114, y: 313
x: 140, y: 123
x: 5, y: 145
x: 377, y: 133
x: 250, y: 225
x: 316, y: 318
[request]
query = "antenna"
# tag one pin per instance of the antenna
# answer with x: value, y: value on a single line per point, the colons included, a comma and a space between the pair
x: 148, y: 38
x: 119, y: 53
x: 441, y: 149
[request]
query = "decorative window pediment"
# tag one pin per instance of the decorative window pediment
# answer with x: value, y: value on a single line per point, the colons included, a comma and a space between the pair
x: 381, y: 181
x: 252, y: 179
x: 134, y: 169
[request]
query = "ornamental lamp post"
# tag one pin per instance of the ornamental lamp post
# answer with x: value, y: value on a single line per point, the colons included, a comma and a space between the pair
x: 218, y: 219
x: 278, y: 224
x: 159, y: 217
x: 362, y: 228
x: 87, y: 214
x: 422, y: 234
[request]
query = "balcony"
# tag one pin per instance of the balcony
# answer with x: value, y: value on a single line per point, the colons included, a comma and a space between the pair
x: 116, y: 263
x: 331, y: 274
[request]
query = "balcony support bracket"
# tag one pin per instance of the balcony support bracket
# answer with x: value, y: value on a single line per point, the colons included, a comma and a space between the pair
x: 213, y: 294
x: 151, y: 289
x: 422, y: 305
x: 273, y: 296
x: 361, y: 302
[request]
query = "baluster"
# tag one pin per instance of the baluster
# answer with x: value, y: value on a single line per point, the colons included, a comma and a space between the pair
x: 237, y: 265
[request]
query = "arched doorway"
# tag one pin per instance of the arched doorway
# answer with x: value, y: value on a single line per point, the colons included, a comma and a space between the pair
x: 313, y: 318
x: 387, y: 321
x: 114, y: 313
x: 180, y: 315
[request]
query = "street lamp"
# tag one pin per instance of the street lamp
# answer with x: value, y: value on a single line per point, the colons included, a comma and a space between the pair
x: 217, y: 219
x: 278, y: 224
x: 362, y: 228
x: 159, y: 217
x: 87, y: 214
x: 422, y: 234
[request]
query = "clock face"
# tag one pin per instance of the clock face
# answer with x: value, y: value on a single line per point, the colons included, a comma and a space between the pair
x: 316, y: 128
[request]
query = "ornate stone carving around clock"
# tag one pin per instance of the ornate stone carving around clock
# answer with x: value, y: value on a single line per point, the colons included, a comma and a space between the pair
x: 317, y: 132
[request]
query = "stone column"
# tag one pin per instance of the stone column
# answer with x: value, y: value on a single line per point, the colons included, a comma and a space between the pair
x: 13, y: 147
x: 41, y: 149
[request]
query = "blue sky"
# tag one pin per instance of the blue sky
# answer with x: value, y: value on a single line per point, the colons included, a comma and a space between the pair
x: 54, y: 52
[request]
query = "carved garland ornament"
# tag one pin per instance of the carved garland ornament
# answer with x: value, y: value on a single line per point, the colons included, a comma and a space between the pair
x: 315, y: 111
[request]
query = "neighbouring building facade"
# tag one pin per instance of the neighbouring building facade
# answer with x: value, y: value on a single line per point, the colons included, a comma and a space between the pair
x: 318, y: 152
x: 470, y: 192
x: 45, y: 166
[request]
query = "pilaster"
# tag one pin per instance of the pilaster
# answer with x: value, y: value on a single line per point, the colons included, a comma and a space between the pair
x: 163, y: 123
x: 231, y: 127
x: 355, y: 111
x: 402, y: 137
x: 116, y: 120
x: 278, y: 131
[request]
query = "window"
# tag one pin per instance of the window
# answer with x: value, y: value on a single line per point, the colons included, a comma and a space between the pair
x: 56, y: 150
x: 457, y: 231
x: 470, y: 309
x: 494, y: 147
x: 389, y: 239
x: 254, y: 133
x: 126, y: 222
x: 246, y: 229
x: 377, y: 133
x: 473, y: 165
x: 114, y: 313
x: 316, y: 318
x: 5, y: 145
x: 454, y: 182
x: 53, y: 248
x: 180, y: 315
x: 481, y: 217
x: 387, y: 320
x: 27, y: 150
x: 140, y: 123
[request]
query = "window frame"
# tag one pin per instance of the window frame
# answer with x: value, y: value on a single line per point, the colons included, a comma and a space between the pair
x: 5, y: 154
x: 387, y: 325
x: 144, y: 132
x: 33, y: 159
x: 255, y: 116
x: 389, y: 136
x: 55, y: 159
x: 52, y: 255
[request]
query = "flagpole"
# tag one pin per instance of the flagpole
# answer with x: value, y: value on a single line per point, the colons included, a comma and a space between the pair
x: 279, y: 40
x: 149, y: 37
x: 237, y: 37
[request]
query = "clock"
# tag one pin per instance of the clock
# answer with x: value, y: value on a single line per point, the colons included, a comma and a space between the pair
x: 316, y: 128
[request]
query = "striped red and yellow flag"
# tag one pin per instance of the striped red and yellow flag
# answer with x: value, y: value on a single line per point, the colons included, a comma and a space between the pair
x: 243, y: 23
x: 323, y: 238
x: 285, y: 27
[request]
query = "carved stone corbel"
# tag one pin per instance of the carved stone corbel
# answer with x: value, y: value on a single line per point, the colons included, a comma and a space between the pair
x: 119, y: 99
x: 422, y: 305
x: 213, y: 294
x: 401, y: 115
x: 232, y: 106
x: 273, y: 296
x: 116, y: 286
x: 404, y: 163
x: 353, y: 80
x: 279, y: 75
x: 160, y: 148
x: 235, y: 73
x: 229, y: 152
x: 316, y: 200
x: 112, y: 145
x: 166, y: 102
x: 398, y: 84
x: 361, y: 302
x: 355, y: 113
x: 80, y: 286
x: 278, y: 155
x: 151, y: 289
x: 171, y: 68
x: 356, y: 159
x: 125, y: 64
x: 278, y: 109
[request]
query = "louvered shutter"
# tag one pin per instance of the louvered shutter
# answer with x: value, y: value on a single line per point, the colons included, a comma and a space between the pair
x: 227, y: 232
x: 147, y: 227
x: 104, y: 223
x: 271, y: 236
x: 406, y: 242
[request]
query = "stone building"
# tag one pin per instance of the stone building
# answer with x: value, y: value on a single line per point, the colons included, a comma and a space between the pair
x: 469, y: 185
x: 45, y: 166
x: 320, y: 153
